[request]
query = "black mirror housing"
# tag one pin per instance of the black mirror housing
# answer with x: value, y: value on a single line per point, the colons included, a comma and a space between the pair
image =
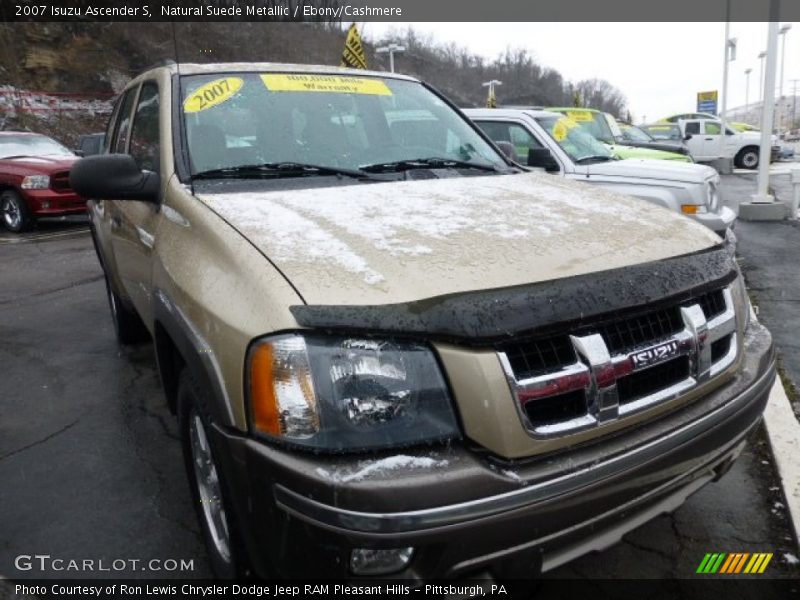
x: 687, y: 137
x: 543, y: 158
x: 113, y: 177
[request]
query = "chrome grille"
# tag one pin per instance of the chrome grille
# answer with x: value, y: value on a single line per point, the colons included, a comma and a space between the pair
x: 618, y: 367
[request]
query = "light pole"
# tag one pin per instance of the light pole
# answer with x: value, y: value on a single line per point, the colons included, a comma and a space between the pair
x: 761, y: 56
x: 492, y: 99
x: 391, y: 49
x: 730, y: 55
x: 768, y: 110
x: 747, y: 89
x: 782, y: 32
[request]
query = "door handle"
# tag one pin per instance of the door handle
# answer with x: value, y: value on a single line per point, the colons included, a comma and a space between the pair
x: 709, y: 139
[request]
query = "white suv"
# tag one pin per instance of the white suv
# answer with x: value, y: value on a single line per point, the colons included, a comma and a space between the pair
x: 555, y: 142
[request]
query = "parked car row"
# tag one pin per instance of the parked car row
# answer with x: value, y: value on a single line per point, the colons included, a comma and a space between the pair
x: 391, y: 349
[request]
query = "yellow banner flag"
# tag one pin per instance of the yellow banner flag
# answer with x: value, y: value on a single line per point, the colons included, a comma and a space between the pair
x: 491, y: 99
x: 353, y: 55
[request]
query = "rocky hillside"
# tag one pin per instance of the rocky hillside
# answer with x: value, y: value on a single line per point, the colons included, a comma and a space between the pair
x: 98, y: 58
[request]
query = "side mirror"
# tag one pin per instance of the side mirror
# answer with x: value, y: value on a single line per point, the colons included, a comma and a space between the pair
x: 113, y: 177
x: 507, y: 148
x: 687, y: 137
x: 543, y: 158
x: 78, y: 152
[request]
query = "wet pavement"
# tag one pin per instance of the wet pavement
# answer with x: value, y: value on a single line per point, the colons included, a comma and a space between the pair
x: 90, y: 465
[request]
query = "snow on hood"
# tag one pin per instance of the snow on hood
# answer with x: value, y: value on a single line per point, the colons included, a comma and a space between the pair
x: 379, y: 243
x: 666, y: 170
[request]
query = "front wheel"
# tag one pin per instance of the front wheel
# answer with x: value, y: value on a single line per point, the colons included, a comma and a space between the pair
x: 16, y: 214
x: 747, y: 158
x: 206, y: 482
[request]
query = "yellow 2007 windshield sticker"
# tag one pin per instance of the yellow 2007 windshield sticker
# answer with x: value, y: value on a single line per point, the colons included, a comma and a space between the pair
x: 580, y: 115
x: 212, y: 93
x: 325, y: 83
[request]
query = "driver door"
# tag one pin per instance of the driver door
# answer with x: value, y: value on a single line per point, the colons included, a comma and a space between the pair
x: 133, y: 223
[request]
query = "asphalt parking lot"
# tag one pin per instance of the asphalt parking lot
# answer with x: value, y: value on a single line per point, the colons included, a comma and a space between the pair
x: 91, y: 467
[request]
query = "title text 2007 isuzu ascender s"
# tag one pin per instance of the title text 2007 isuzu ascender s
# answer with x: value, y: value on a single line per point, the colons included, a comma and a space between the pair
x: 390, y: 351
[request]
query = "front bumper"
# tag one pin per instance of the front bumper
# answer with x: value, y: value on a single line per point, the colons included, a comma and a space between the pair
x: 48, y: 203
x: 717, y: 222
x: 299, y: 512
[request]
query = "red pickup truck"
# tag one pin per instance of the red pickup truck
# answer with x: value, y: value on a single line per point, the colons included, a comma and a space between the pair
x: 34, y: 180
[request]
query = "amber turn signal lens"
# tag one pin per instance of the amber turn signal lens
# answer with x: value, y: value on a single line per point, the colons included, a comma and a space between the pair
x: 262, y: 391
x: 689, y: 209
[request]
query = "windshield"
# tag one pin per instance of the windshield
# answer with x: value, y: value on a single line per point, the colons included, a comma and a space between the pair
x: 31, y: 145
x: 631, y: 133
x: 333, y: 121
x: 664, y: 132
x: 573, y: 139
x: 594, y: 123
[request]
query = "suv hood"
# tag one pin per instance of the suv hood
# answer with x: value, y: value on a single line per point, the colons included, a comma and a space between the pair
x: 653, y: 169
x: 381, y: 243
x: 635, y: 152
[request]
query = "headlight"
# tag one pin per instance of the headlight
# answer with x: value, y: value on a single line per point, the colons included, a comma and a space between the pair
x: 346, y: 393
x: 35, y: 182
x: 713, y: 197
x: 741, y: 300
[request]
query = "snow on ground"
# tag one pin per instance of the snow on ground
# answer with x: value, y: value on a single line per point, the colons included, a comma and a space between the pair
x: 370, y: 468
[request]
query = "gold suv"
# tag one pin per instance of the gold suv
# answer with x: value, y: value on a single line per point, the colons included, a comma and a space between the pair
x: 392, y: 351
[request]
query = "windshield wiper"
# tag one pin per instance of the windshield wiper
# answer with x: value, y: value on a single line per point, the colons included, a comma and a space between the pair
x: 433, y: 162
x: 594, y: 157
x: 16, y: 156
x: 278, y: 169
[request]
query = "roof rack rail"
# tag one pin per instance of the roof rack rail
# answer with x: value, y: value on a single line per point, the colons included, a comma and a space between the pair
x: 164, y: 62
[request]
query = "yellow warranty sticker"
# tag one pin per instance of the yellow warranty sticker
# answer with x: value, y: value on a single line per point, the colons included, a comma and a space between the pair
x: 562, y: 127
x: 325, y: 83
x: 580, y: 115
x: 211, y: 94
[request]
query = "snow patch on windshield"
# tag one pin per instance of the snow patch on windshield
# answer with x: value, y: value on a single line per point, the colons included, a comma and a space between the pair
x: 370, y: 468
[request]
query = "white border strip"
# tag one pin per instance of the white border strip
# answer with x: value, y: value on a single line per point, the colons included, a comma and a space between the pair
x: 783, y: 432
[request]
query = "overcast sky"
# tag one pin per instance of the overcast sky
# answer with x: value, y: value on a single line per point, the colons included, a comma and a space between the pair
x: 659, y: 67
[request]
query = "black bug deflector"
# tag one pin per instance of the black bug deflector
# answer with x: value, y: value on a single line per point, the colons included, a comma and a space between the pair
x: 492, y: 315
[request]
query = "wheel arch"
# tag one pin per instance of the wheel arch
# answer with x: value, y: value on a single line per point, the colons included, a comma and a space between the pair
x: 179, y: 345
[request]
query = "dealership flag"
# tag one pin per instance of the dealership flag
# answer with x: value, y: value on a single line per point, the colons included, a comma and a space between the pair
x: 491, y: 100
x: 353, y: 55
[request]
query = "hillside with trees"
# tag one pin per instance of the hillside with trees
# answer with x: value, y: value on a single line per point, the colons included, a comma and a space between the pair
x: 98, y: 58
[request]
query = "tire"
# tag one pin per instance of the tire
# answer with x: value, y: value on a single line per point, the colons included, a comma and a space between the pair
x: 747, y: 158
x: 16, y: 214
x: 127, y: 324
x: 207, y: 483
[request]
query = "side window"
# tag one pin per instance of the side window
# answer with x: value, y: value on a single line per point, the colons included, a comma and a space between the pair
x: 693, y: 128
x: 120, y: 140
x: 712, y: 128
x: 522, y: 140
x: 144, y: 135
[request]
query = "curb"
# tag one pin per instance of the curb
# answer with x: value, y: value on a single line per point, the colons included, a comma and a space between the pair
x: 783, y: 432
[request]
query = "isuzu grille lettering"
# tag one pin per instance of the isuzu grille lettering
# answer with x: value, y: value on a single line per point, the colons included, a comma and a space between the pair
x: 655, y: 354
